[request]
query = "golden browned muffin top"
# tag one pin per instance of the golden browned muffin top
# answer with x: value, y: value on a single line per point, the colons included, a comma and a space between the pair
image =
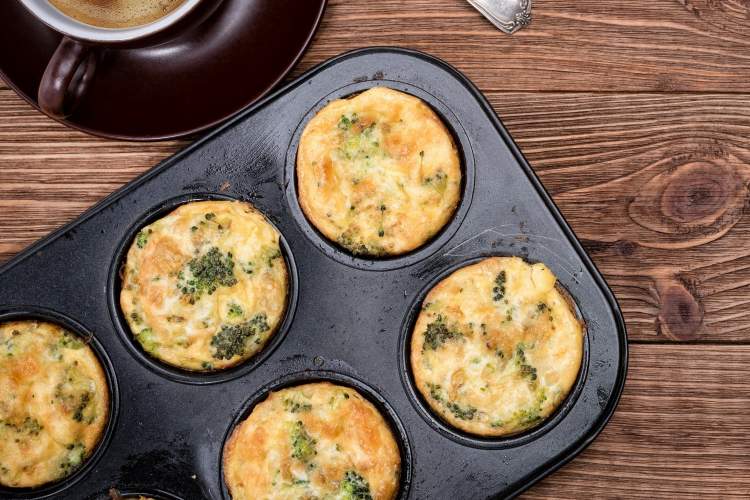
x: 317, y: 440
x: 496, y: 347
x: 205, y: 287
x: 378, y: 173
x: 54, y: 403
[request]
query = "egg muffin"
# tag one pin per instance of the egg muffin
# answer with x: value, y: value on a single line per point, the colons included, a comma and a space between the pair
x: 317, y: 440
x: 496, y: 347
x: 54, y: 403
x: 205, y: 287
x: 378, y: 173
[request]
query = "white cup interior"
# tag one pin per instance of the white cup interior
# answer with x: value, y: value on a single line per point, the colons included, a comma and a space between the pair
x: 66, y: 25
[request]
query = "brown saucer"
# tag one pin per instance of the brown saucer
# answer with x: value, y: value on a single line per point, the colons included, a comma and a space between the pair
x: 183, y: 86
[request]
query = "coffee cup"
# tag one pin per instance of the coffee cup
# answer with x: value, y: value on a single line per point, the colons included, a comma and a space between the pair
x: 88, y: 26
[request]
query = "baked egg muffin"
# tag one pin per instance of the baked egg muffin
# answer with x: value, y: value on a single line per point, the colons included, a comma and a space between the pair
x: 378, y: 173
x: 317, y: 440
x: 205, y: 287
x: 54, y: 403
x: 496, y: 347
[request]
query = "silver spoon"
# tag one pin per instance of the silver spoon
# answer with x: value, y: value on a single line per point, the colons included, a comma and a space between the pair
x: 508, y: 15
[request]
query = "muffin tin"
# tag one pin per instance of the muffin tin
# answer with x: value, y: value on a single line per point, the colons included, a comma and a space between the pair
x: 348, y: 318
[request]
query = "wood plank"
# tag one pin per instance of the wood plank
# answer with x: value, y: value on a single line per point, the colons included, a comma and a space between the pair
x: 681, y: 431
x: 573, y: 45
x: 672, y: 170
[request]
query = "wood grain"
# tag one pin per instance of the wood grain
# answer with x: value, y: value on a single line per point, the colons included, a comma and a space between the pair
x: 680, y: 431
x: 573, y: 45
x: 636, y: 116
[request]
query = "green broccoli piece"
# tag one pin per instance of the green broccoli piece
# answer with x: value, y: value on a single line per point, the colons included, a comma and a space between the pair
x: 293, y: 406
x: 346, y: 122
x: 142, y: 239
x: 435, y: 392
x: 206, y: 274
x: 78, y: 414
x: 273, y: 255
x: 235, y: 311
x: 30, y: 426
x: 462, y: 412
x: 524, y: 368
x: 146, y: 338
x: 354, y: 487
x: 303, y: 445
x: 498, y: 292
x: 232, y: 339
x: 73, y: 459
x: 70, y: 341
x: 437, y: 334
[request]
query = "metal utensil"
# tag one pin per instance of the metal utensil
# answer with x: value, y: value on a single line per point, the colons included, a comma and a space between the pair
x: 508, y: 15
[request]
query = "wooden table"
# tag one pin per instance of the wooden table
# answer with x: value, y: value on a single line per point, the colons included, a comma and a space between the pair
x: 636, y: 116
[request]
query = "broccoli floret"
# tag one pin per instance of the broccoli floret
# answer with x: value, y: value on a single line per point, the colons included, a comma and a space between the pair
x: 498, y: 292
x: 435, y: 392
x: 70, y: 341
x: 527, y: 416
x: 78, y: 414
x: 232, y: 339
x: 206, y: 274
x: 437, y: 334
x: 524, y: 368
x: 235, y: 311
x: 293, y: 406
x: 73, y: 459
x: 354, y: 487
x: 146, y: 338
x: 272, y: 256
x: 347, y: 121
x: 462, y: 412
x: 303, y: 445
x: 30, y: 426
x: 142, y: 239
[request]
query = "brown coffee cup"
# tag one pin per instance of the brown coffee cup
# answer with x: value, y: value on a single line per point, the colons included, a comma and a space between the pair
x: 71, y: 70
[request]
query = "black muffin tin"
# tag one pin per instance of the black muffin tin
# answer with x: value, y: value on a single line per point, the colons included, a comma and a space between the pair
x: 349, y: 318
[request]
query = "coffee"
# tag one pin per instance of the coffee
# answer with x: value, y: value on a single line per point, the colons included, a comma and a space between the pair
x: 116, y: 13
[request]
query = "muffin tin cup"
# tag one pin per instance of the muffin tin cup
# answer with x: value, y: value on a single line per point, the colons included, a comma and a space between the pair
x: 438, y: 241
x: 443, y: 427
x: 156, y: 365
x: 339, y: 378
x: 58, y: 487
x: 348, y: 318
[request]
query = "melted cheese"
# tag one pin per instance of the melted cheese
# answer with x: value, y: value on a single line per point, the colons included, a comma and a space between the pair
x: 317, y: 440
x: 54, y: 403
x: 205, y: 287
x: 496, y: 347
x: 378, y: 173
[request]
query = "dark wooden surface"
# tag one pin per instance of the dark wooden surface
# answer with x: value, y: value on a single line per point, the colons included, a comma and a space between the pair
x: 636, y: 116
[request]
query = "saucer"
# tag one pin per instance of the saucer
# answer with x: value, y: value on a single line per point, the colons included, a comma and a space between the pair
x: 187, y: 84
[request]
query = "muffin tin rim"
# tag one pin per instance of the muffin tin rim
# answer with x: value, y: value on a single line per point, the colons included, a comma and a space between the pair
x: 388, y: 263
x: 38, y: 313
x: 309, y: 376
x: 619, y: 334
x: 161, y: 368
